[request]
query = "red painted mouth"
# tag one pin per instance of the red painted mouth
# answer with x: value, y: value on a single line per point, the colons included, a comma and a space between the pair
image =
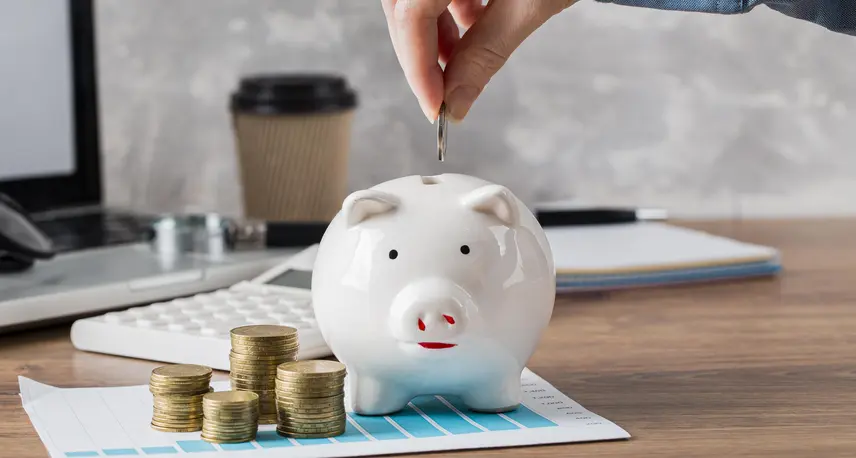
x: 436, y: 345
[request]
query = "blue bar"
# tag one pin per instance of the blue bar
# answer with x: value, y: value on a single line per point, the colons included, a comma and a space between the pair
x: 378, y: 427
x: 238, y: 446
x: 81, y: 453
x: 491, y: 421
x: 351, y: 434
x: 447, y: 418
x: 196, y: 446
x: 528, y: 418
x: 159, y: 450
x: 414, y: 424
x: 313, y: 441
x: 120, y: 451
x: 270, y: 439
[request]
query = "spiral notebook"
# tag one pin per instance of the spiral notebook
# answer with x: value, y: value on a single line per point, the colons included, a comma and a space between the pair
x: 644, y: 254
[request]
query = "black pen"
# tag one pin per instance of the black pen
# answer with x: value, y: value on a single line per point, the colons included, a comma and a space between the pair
x: 592, y: 216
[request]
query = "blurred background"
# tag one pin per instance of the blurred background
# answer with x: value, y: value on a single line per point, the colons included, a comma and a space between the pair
x: 708, y: 116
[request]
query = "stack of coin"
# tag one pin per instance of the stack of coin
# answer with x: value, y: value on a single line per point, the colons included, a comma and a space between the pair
x: 177, y: 392
x: 256, y: 352
x: 230, y: 416
x: 310, y: 399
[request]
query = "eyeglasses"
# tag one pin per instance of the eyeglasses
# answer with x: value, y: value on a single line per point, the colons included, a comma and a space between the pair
x: 21, y: 241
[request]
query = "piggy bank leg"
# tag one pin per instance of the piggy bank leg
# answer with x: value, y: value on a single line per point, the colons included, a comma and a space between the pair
x: 374, y: 396
x: 494, y: 396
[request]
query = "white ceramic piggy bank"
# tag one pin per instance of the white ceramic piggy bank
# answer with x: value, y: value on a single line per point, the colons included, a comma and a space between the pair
x: 433, y: 285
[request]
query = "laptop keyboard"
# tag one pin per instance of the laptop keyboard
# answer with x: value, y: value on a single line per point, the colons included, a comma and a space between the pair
x: 95, y: 230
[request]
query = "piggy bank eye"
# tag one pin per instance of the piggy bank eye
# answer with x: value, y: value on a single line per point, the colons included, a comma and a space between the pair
x: 393, y: 254
x: 465, y: 249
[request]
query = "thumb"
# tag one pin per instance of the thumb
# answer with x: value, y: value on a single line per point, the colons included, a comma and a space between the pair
x: 488, y: 44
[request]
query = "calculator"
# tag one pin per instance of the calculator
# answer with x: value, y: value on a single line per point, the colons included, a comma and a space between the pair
x: 195, y: 329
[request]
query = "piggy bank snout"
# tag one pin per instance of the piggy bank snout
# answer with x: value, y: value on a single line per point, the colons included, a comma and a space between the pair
x: 428, y: 311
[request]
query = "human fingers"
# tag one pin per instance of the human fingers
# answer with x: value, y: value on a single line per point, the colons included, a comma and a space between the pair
x: 466, y: 12
x: 488, y: 44
x: 449, y: 36
x: 414, y: 27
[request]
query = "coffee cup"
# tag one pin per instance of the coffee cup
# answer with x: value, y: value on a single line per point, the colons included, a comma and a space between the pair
x: 293, y: 136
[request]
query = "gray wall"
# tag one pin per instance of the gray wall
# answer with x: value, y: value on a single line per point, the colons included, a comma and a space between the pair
x: 751, y: 115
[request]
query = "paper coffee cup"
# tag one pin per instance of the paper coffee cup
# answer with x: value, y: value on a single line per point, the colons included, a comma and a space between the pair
x: 293, y: 137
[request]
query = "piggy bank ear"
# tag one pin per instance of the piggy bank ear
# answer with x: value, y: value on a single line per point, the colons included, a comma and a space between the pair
x: 496, y: 201
x: 362, y: 205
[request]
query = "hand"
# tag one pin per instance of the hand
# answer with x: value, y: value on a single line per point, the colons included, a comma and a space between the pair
x: 425, y: 34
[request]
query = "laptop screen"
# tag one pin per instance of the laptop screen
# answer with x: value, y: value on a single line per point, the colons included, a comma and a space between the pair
x: 49, y: 141
x: 37, y: 113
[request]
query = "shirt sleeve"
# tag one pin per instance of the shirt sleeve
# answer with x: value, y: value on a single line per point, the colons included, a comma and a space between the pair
x: 835, y: 15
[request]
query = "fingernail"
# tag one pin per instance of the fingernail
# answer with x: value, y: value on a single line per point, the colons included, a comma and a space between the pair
x: 460, y: 100
x: 427, y: 114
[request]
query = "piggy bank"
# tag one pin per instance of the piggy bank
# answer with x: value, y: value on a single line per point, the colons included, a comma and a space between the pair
x: 433, y: 285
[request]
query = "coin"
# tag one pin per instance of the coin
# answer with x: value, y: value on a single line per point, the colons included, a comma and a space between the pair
x: 256, y: 352
x: 230, y: 416
x: 262, y: 332
x: 311, y: 369
x: 177, y: 393
x: 310, y: 435
x: 228, y: 398
x: 182, y: 372
x: 441, y: 133
x: 310, y: 398
x: 174, y: 430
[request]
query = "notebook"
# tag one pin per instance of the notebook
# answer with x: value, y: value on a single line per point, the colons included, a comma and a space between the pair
x: 650, y: 254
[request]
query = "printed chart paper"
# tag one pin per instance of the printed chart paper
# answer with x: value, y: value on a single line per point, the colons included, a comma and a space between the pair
x: 83, y: 422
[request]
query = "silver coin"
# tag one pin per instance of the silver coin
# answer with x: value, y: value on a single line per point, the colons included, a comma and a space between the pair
x: 441, y: 133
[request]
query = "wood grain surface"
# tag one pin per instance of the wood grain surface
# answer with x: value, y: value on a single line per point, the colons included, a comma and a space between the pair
x: 753, y: 368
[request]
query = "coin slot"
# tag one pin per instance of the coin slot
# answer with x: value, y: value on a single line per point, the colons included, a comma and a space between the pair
x: 430, y: 180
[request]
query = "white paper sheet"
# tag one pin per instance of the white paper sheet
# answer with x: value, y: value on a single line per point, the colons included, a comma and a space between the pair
x: 645, y: 247
x: 80, y: 422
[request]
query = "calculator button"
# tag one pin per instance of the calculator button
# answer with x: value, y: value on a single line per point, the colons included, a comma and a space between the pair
x: 195, y: 312
x: 269, y: 306
x: 302, y: 311
x: 250, y: 314
x: 234, y: 302
x: 203, y: 321
x: 227, y: 315
x: 174, y: 318
x: 262, y: 320
x: 279, y: 316
x: 216, y: 306
x: 245, y: 306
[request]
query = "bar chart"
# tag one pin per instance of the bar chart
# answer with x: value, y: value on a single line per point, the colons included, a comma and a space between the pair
x: 85, y: 422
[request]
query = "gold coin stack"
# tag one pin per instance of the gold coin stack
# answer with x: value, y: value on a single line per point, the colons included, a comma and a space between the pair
x: 310, y: 399
x: 256, y: 352
x: 177, y: 392
x: 230, y: 416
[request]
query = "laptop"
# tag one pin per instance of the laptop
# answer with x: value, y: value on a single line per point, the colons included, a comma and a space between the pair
x: 50, y: 155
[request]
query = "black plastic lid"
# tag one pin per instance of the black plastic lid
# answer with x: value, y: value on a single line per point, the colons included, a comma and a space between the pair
x: 293, y: 94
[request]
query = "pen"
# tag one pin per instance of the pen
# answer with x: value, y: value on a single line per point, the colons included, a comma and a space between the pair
x: 593, y: 216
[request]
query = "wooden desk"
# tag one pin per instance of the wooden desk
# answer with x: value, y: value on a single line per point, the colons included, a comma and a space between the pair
x: 756, y: 368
